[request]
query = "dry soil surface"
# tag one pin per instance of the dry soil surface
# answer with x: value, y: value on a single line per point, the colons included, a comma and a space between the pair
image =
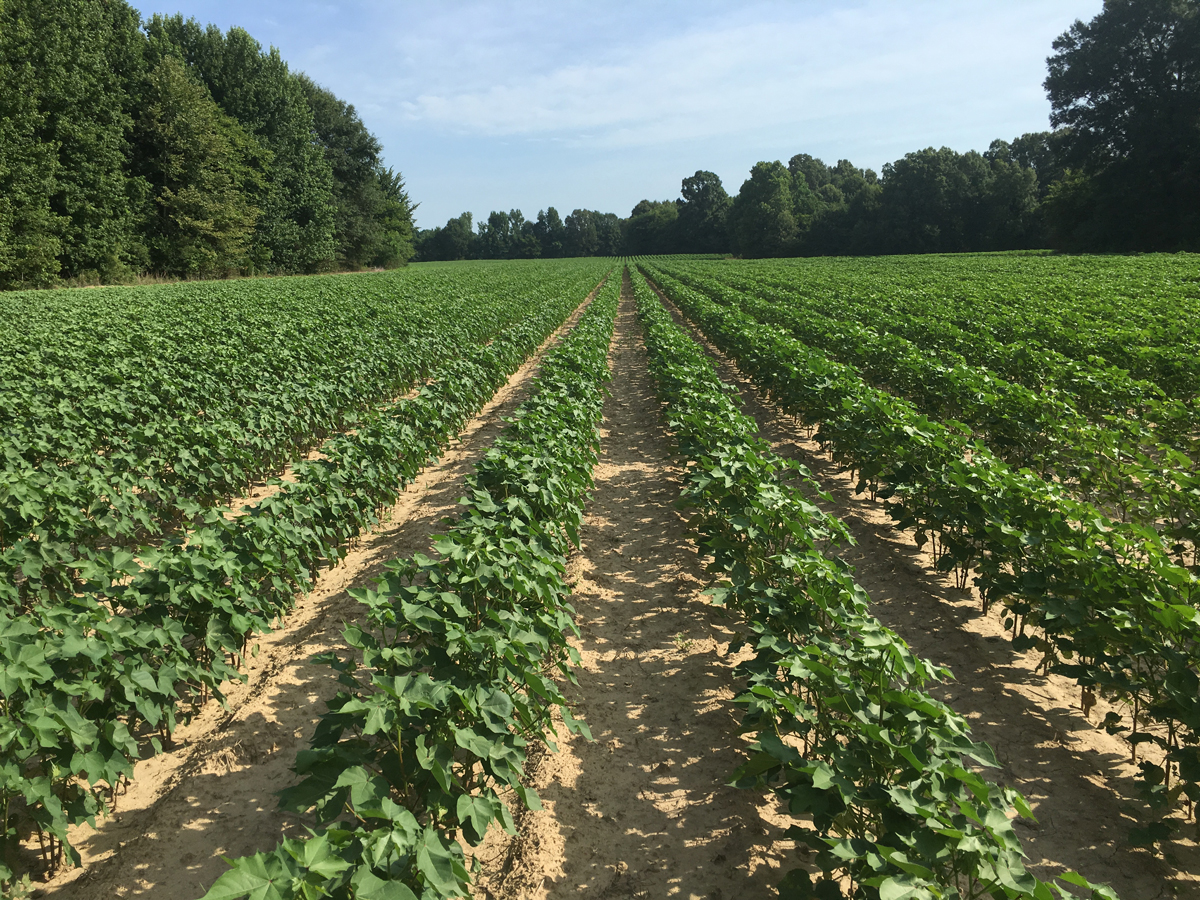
x: 643, y: 810
x: 1071, y: 770
x: 213, y: 796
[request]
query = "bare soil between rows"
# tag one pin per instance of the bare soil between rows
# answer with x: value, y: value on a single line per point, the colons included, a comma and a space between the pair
x: 214, y: 794
x: 642, y: 811
x: 1074, y: 774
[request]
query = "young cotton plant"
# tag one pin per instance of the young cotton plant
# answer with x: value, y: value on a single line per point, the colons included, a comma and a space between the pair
x: 459, y: 655
x: 1106, y: 602
x: 879, y: 775
x: 85, y: 685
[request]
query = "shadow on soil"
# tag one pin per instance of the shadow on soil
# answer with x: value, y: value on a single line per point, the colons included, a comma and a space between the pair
x: 1083, y: 823
x: 646, y: 812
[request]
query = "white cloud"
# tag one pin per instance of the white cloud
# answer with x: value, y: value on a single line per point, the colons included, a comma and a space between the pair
x: 795, y: 68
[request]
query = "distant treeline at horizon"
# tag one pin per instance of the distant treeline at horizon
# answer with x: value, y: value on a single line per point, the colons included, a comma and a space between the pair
x: 167, y: 148
x: 931, y: 201
x: 1119, y: 172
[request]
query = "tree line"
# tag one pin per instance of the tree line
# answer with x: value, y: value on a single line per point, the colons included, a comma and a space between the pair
x: 1119, y: 172
x: 509, y: 235
x: 165, y: 147
x: 928, y: 202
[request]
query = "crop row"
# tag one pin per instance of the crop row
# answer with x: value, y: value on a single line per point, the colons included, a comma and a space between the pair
x: 126, y: 415
x: 1097, y: 389
x: 427, y: 743
x: 87, y: 682
x: 1142, y: 315
x: 1102, y: 601
x: 876, y: 773
x: 1119, y: 466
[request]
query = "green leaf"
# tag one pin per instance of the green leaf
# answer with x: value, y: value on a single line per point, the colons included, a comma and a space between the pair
x: 256, y: 877
x: 476, y: 814
x: 436, y: 864
x: 369, y: 886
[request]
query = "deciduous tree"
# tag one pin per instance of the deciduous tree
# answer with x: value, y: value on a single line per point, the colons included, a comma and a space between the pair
x: 1125, y: 87
x: 703, y: 214
x: 65, y: 79
x: 762, y: 219
x: 295, y: 231
x: 205, y: 175
x: 362, y: 217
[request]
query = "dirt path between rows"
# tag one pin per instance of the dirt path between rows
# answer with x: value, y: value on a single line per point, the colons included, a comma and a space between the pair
x: 214, y: 795
x: 643, y: 810
x: 1073, y: 773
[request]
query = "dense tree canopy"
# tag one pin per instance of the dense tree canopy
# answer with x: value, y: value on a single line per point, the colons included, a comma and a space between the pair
x: 939, y: 201
x: 205, y: 175
x: 30, y: 231
x: 929, y: 201
x: 703, y: 211
x: 74, y: 67
x: 509, y: 235
x: 176, y: 149
x: 591, y: 233
x: 651, y: 227
x: 550, y: 232
x: 836, y: 206
x: 1125, y: 90
x: 454, y: 241
x: 1040, y: 151
x: 762, y: 221
x: 361, y: 193
x: 296, y: 225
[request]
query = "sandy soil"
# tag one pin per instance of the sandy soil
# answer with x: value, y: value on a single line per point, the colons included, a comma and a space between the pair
x: 214, y: 794
x: 643, y: 810
x: 1073, y: 773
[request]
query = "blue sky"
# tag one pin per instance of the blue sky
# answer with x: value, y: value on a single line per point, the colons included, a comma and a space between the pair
x: 523, y: 104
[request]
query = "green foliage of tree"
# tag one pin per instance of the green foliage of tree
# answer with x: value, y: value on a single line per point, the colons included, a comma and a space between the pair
x: 609, y: 235
x: 496, y: 236
x: 651, y: 227
x: 368, y: 231
x: 551, y: 233
x: 835, y: 207
x: 170, y: 147
x: 65, y: 87
x: 1125, y: 90
x: 455, y: 240
x: 703, y: 213
x: 523, y: 242
x: 396, y: 246
x: 592, y: 233
x: 940, y: 201
x: 509, y: 235
x: 29, y: 228
x: 205, y: 174
x: 931, y: 201
x: 583, y: 239
x: 1040, y: 151
x: 762, y: 220
x: 296, y: 227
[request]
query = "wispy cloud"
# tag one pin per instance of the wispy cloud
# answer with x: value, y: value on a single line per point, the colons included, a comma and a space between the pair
x: 796, y: 64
